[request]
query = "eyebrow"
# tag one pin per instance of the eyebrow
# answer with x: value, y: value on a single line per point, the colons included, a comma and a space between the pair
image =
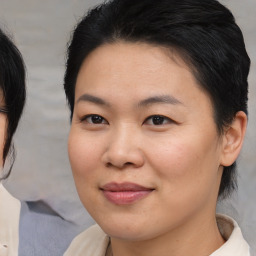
x: 93, y: 99
x: 162, y: 99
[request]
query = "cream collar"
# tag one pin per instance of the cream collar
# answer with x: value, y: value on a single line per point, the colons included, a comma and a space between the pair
x: 9, y: 223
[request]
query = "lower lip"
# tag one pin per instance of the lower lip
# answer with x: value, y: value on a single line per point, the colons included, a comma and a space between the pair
x: 125, y: 197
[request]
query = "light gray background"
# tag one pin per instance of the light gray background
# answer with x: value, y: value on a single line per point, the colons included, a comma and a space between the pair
x: 41, y: 30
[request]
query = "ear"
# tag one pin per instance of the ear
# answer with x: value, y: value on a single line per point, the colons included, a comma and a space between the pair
x: 233, y: 139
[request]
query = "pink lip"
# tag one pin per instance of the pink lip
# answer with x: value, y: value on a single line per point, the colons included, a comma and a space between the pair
x: 124, y: 193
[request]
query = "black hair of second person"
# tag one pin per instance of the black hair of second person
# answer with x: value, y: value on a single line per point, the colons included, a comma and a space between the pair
x: 12, y: 85
x: 202, y: 32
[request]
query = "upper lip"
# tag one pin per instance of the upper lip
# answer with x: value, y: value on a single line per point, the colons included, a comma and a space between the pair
x: 125, y: 186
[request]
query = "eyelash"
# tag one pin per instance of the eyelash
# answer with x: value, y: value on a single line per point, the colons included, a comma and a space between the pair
x: 158, y: 118
x: 84, y: 119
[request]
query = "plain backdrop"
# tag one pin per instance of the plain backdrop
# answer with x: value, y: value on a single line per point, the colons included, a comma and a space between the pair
x: 41, y: 30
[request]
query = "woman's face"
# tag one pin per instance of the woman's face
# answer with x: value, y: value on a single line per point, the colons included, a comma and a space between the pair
x: 143, y: 144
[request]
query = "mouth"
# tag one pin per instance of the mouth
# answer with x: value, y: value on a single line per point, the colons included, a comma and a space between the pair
x: 125, y: 193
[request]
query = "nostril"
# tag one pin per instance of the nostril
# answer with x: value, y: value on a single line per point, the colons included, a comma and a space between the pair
x: 120, y: 159
x: 108, y: 165
x: 120, y: 166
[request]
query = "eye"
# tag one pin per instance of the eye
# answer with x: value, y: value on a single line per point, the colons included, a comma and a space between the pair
x: 94, y: 119
x: 158, y: 120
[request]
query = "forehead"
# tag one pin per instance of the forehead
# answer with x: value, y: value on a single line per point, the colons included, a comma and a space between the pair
x: 125, y: 74
x: 136, y: 52
x: 129, y: 62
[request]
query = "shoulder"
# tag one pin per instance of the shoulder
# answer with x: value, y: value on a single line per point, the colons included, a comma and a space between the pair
x: 91, y: 242
x: 235, y: 244
x: 9, y: 222
x: 8, y: 203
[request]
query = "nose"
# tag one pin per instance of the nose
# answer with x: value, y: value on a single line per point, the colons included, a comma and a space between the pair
x: 124, y: 149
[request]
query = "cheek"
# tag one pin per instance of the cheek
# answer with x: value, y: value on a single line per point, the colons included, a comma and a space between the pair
x: 187, y: 164
x: 83, y: 155
x: 84, y: 158
x: 171, y: 157
x: 188, y: 181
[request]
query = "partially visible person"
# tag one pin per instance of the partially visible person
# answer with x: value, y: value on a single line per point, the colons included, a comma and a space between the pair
x: 26, y: 228
x: 12, y: 100
x: 158, y: 97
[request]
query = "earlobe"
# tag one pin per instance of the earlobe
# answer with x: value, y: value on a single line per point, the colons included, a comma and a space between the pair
x: 233, y: 139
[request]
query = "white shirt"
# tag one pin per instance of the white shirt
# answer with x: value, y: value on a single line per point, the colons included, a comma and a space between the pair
x: 9, y: 223
x: 94, y: 242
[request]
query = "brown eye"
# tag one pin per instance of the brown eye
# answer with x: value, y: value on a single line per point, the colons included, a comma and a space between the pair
x: 94, y: 119
x: 157, y: 120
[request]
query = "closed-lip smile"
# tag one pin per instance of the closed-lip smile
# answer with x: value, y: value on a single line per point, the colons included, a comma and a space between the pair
x: 124, y: 193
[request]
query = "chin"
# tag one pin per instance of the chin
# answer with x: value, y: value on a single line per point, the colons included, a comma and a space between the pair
x: 126, y: 231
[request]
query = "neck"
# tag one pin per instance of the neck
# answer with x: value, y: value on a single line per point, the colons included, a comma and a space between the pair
x: 190, y: 239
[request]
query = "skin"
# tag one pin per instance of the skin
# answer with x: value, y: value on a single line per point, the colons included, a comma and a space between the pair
x: 2, y: 129
x: 180, y: 158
